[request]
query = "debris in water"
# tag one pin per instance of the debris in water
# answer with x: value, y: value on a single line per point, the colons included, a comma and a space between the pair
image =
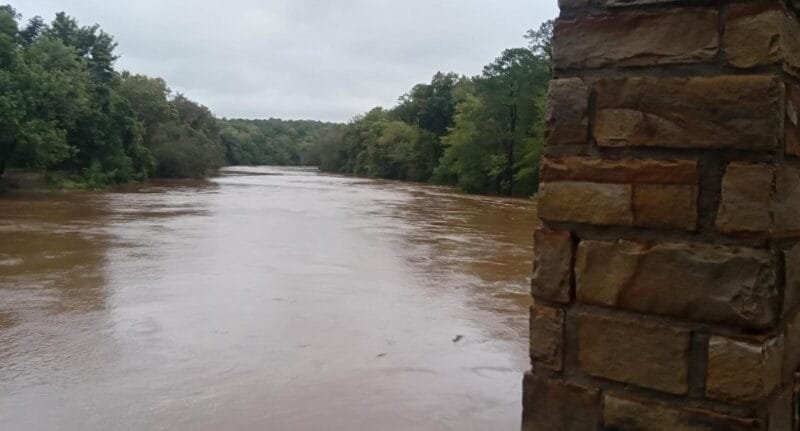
x: 458, y: 338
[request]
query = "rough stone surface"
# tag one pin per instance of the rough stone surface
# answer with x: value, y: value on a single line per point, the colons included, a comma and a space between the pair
x: 793, y: 120
x: 791, y: 294
x: 552, y: 265
x: 584, y: 202
x: 664, y: 192
x: 622, y: 171
x: 551, y: 405
x: 655, y: 357
x: 674, y: 125
x: 567, y: 116
x: 623, y: 3
x: 547, y: 334
x: 786, y: 202
x: 702, y: 282
x: 791, y: 357
x: 760, y: 198
x: 741, y: 371
x: 724, y: 112
x: 758, y: 34
x: 630, y: 414
x: 745, y: 204
x: 572, y: 4
x: 609, y: 204
x: 781, y: 411
x: 665, y: 206
x: 637, y: 39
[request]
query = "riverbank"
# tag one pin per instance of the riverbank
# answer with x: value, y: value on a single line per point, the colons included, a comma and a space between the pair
x: 29, y: 181
x: 20, y: 179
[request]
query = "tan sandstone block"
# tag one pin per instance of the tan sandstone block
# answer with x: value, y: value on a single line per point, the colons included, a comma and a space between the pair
x: 724, y: 112
x: 743, y: 371
x: 584, y: 202
x: 745, y: 203
x: 552, y: 265
x: 758, y: 34
x: 626, y: 413
x: 701, y: 282
x: 547, y: 337
x: 635, y: 352
x: 551, y: 405
x: 567, y: 116
x: 760, y: 198
x: 664, y: 193
x: 636, y: 39
x: 786, y: 202
x: 622, y: 171
x: 665, y: 206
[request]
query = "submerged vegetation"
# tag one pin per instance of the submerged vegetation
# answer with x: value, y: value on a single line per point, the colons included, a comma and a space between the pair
x: 65, y: 108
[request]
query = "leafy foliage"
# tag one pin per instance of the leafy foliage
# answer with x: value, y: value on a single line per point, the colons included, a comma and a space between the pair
x: 483, y: 134
x: 271, y: 142
x: 63, y: 106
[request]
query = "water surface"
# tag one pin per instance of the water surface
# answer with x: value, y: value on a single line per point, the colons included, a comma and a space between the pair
x: 265, y: 299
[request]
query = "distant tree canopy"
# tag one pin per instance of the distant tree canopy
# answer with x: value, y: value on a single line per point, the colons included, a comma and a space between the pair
x: 483, y: 134
x: 270, y: 142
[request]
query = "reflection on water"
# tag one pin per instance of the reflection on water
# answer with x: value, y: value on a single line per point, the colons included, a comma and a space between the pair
x: 268, y: 298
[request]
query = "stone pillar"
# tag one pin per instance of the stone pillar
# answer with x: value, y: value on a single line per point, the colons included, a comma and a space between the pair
x: 667, y: 272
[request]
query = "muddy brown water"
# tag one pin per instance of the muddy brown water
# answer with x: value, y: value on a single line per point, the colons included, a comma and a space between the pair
x: 265, y: 299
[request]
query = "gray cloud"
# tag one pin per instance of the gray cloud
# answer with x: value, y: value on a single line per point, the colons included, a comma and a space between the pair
x: 319, y: 59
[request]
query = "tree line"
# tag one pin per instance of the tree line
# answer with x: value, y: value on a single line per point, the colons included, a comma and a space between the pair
x: 271, y: 142
x: 483, y: 134
x: 64, y: 108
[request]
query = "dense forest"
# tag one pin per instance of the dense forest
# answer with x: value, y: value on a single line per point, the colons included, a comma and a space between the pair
x: 64, y: 108
x: 483, y: 134
x: 270, y: 142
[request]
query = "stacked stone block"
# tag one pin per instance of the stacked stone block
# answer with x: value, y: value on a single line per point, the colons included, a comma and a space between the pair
x: 666, y: 273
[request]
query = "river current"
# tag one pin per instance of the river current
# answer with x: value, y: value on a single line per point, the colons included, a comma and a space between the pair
x: 263, y: 299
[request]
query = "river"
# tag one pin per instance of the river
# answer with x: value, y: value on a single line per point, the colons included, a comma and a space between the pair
x: 263, y: 299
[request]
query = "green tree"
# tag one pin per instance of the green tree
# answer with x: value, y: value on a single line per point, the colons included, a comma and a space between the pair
x: 190, y: 145
x: 495, y: 142
x: 10, y: 99
x: 36, y: 26
x: 271, y: 142
x: 540, y: 42
x: 63, y: 106
x: 510, y: 88
x: 52, y: 84
x: 466, y: 161
x: 8, y: 35
x: 149, y: 99
x: 483, y: 134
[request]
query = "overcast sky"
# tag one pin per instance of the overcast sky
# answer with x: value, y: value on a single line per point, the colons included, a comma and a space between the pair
x: 302, y: 59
